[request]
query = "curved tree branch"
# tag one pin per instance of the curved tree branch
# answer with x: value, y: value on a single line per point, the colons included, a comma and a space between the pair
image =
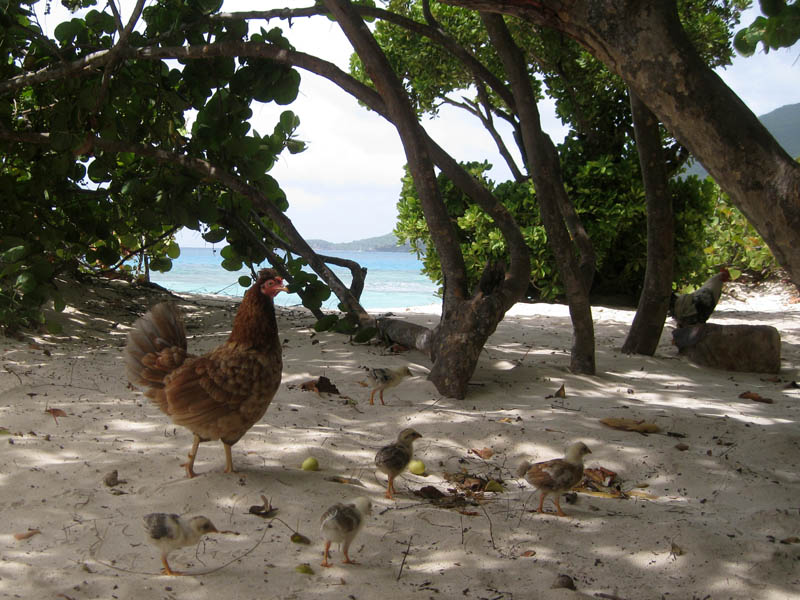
x: 233, y: 183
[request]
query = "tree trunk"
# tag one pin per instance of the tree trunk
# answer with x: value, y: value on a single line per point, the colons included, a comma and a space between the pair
x: 545, y: 170
x: 644, y: 43
x: 648, y: 322
x: 466, y: 323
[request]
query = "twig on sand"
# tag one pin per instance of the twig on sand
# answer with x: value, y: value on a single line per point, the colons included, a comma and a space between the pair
x: 491, y: 531
x: 405, y: 555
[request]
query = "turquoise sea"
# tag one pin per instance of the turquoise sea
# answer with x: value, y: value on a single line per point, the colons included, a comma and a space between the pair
x: 393, y: 278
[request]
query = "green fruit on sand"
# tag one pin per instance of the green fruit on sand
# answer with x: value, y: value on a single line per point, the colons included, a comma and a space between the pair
x: 417, y: 467
x: 310, y: 464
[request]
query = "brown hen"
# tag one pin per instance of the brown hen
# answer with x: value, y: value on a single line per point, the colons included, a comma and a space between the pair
x: 222, y: 394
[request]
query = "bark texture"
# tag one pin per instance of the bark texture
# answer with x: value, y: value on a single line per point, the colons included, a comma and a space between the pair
x: 643, y: 43
x: 545, y: 171
x: 648, y: 323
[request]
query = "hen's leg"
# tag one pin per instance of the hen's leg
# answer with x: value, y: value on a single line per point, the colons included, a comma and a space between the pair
x: 192, y: 454
x: 382, y: 397
x: 541, y: 501
x: 347, y: 560
x: 166, y: 570
x: 372, y: 397
x: 560, y: 512
x: 390, y: 488
x: 325, y: 562
x: 228, y: 459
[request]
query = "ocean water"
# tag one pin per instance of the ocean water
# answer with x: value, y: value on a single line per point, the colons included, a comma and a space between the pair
x: 393, y: 279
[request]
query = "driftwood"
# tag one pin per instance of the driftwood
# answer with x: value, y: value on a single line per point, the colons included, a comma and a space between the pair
x: 405, y: 333
x: 753, y: 348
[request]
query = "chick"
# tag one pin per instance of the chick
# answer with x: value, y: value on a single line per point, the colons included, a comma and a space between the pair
x: 169, y: 532
x: 340, y: 523
x: 394, y: 458
x: 383, y: 379
x: 556, y: 476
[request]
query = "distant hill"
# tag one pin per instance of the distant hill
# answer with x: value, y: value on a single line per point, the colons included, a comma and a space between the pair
x: 784, y: 125
x: 382, y: 243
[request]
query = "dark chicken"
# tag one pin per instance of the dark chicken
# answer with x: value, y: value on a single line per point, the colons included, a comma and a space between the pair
x: 394, y: 458
x: 695, y: 308
x: 222, y: 394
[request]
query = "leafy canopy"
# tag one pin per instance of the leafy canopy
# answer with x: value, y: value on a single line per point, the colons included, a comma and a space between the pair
x: 83, y: 184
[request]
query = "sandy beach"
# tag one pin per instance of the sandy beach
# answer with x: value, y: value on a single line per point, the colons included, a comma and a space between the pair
x: 707, y: 508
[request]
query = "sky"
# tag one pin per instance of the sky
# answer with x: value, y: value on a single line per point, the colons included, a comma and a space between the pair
x: 346, y: 184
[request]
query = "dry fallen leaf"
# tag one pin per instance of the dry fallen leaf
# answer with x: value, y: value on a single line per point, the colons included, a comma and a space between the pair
x: 319, y: 385
x: 55, y: 412
x: 529, y: 553
x: 630, y: 425
x: 265, y: 510
x: 348, y: 480
x: 484, y: 453
x: 791, y: 540
x: 755, y: 397
x: 601, y: 475
x: 682, y: 447
x: 641, y: 494
x: 505, y: 420
x: 430, y: 492
x: 28, y: 534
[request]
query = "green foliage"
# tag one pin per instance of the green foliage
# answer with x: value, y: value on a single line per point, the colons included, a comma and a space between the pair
x: 732, y: 241
x: 82, y: 208
x: 779, y: 28
x: 610, y: 201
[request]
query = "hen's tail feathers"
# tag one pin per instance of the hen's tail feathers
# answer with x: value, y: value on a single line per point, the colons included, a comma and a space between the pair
x: 156, y: 346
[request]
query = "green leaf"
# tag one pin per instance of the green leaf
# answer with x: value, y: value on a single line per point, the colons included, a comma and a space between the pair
x: 215, y: 236
x: 58, y: 302
x: 14, y: 254
x: 326, y: 322
x: 67, y: 31
x: 346, y: 325
x: 229, y: 252
x: 98, y: 172
x: 26, y: 282
x: 245, y: 281
x: 173, y: 250
x: 53, y: 327
x: 365, y: 334
x: 231, y: 264
x: 289, y: 122
x: 108, y: 256
x: 62, y: 142
x: 161, y: 264
x: 286, y: 90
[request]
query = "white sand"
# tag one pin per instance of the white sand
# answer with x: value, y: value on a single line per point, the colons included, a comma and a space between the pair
x: 711, y: 529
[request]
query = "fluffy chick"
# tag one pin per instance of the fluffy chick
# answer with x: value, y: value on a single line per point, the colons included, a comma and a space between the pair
x: 340, y: 524
x: 394, y: 458
x: 382, y: 379
x: 168, y: 532
x: 556, y: 476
